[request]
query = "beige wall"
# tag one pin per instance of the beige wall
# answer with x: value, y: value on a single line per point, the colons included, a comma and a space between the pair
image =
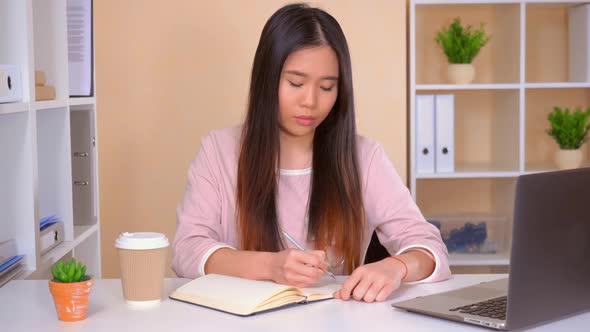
x: 170, y: 71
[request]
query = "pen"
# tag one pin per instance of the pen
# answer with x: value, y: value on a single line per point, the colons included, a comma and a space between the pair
x: 300, y: 247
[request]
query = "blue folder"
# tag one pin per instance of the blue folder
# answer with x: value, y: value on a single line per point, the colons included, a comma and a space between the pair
x: 11, y: 261
x: 48, y: 221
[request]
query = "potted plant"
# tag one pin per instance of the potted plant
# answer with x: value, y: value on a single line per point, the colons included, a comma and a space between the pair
x: 461, y: 45
x: 570, y: 131
x: 70, y: 288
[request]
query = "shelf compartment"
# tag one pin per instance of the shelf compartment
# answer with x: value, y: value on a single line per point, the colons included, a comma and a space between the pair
x: 17, y: 220
x: 547, y: 42
x: 83, y: 158
x: 486, y: 133
x: 452, y: 198
x: 81, y: 233
x: 50, y: 40
x: 54, y: 166
x: 540, y: 148
x: 498, y: 61
x: 474, y: 196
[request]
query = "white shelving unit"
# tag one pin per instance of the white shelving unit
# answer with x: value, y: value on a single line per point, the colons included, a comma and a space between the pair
x: 500, y: 119
x: 48, y: 148
x: 13, y: 108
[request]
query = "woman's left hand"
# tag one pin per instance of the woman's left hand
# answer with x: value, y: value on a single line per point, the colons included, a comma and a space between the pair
x: 372, y: 282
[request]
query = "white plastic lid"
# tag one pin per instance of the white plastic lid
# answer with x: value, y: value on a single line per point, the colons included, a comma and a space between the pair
x: 141, y: 241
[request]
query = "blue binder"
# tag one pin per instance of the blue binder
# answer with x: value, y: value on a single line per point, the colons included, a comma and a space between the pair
x: 11, y: 261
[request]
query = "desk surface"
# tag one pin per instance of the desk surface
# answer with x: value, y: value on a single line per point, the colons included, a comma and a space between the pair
x: 28, y: 306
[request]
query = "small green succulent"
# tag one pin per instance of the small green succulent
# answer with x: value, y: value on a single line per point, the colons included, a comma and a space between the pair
x: 71, y: 271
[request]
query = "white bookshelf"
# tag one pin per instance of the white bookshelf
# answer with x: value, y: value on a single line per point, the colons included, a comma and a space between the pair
x: 500, y: 119
x: 48, y: 148
x: 475, y: 86
x: 49, y: 104
x: 556, y: 85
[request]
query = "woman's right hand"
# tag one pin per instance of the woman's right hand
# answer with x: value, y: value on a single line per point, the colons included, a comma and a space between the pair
x: 298, y: 268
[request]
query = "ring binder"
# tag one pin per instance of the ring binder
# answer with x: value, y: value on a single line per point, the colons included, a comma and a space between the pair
x: 51, y: 236
x: 444, y: 140
x: 10, y: 83
x: 425, y: 126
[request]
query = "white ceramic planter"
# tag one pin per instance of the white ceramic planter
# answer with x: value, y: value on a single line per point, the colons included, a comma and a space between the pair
x: 567, y: 159
x: 461, y: 73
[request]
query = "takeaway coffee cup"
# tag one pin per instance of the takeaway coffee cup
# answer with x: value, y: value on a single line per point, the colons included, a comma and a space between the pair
x: 142, y: 257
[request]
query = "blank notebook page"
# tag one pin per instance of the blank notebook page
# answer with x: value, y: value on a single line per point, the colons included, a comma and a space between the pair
x: 230, y: 292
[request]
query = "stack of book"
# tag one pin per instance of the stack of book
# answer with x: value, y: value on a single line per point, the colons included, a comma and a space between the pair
x: 43, y: 91
x: 10, y: 263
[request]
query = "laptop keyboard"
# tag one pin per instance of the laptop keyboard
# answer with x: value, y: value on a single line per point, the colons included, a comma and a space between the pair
x: 494, y: 308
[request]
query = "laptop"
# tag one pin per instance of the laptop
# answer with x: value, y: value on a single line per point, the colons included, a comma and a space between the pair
x: 549, y: 261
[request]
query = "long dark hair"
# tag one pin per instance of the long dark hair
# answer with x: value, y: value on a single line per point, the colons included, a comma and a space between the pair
x: 336, y: 212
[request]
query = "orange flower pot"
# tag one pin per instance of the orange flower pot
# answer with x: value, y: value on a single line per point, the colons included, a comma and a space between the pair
x: 71, y: 299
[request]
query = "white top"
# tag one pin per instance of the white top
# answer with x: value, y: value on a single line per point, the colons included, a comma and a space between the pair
x: 141, y: 241
x: 26, y: 305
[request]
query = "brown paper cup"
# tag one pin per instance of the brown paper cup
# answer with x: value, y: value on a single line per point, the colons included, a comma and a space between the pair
x: 142, y: 269
x: 142, y: 273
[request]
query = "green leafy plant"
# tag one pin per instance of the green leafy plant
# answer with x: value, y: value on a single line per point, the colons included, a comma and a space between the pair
x: 569, y: 129
x: 461, y: 44
x: 71, y: 271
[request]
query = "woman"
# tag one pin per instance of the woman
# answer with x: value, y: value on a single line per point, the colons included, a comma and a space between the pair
x: 297, y: 169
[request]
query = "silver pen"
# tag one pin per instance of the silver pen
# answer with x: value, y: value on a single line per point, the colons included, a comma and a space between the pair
x: 300, y: 247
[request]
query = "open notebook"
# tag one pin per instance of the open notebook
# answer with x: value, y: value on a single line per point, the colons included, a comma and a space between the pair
x: 246, y: 297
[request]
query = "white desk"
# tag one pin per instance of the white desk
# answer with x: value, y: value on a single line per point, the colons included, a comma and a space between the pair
x: 28, y: 306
